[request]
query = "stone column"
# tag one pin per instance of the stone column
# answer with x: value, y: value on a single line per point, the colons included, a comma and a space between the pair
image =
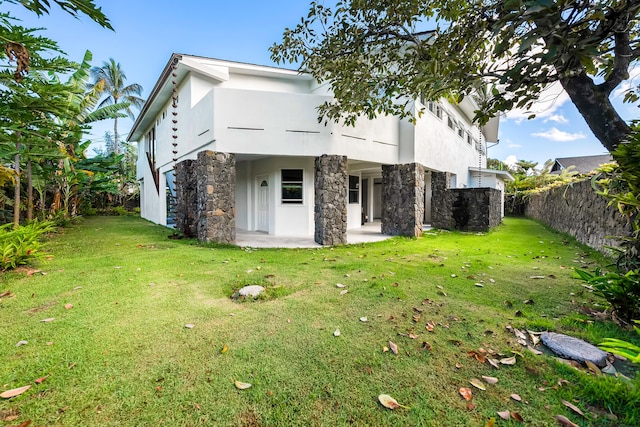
x: 216, y: 197
x: 186, y: 198
x: 441, y: 201
x: 330, y: 212
x: 403, y: 199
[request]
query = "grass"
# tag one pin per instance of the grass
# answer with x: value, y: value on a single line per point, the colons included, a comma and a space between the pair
x: 123, y: 357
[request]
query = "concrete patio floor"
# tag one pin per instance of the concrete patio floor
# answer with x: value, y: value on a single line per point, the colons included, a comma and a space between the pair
x: 370, y: 232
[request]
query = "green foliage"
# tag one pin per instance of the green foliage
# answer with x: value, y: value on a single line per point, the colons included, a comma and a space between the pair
x: 622, y: 291
x: 623, y: 348
x: 503, y: 53
x: 119, y: 210
x: 21, y: 245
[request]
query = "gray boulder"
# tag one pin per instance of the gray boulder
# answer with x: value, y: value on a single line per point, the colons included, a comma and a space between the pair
x: 574, y: 348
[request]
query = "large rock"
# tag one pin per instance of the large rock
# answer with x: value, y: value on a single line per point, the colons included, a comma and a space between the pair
x: 251, y: 291
x: 574, y: 348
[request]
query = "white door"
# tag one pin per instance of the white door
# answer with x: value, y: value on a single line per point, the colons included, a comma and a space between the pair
x: 263, y: 204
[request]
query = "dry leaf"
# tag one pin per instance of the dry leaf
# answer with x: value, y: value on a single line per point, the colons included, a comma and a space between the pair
x: 394, y: 347
x: 494, y: 363
x: 508, y: 360
x: 416, y: 317
x: 480, y: 358
x: 516, y: 416
x: 458, y: 365
x: 466, y: 393
x: 242, y: 386
x: 573, y: 407
x: 516, y: 397
x: 14, y: 392
x: 505, y: 415
x: 412, y: 336
x: 471, y: 406
x: 41, y: 379
x: 477, y: 383
x: 565, y: 422
x: 189, y: 325
x: 385, y: 349
x: 430, y: 326
x: 426, y: 346
x: 363, y: 319
x: 224, y: 349
x: 592, y: 367
x: 24, y: 424
x: 490, y: 423
x: 389, y: 402
x: 344, y: 291
x: 490, y: 380
x: 68, y: 306
x: 49, y: 319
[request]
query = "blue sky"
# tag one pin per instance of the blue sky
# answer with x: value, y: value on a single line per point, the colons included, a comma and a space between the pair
x: 147, y: 33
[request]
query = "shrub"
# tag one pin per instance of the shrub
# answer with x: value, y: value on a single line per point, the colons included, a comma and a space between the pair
x: 21, y: 245
x: 119, y: 210
x: 623, y: 348
x: 622, y: 291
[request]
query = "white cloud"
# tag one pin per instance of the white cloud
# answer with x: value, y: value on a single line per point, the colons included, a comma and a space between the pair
x: 555, y: 134
x: 510, y: 160
x: 625, y: 86
x: 514, y: 146
x: 558, y: 118
x: 550, y: 100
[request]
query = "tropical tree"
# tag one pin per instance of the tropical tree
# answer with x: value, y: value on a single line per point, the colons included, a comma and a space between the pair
x: 112, y: 78
x: 377, y: 60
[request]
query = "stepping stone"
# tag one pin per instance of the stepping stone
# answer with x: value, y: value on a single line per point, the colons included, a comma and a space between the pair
x: 251, y: 291
x: 574, y: 348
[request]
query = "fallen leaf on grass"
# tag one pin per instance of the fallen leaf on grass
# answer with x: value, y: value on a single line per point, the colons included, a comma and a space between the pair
x: 344, y: 291
x: 566, y: 422
x: 68, y: 306
x: 24, y: 424
x: 426, y: 346
x: 494, y: 363
x: 416, y: 317
x: 573, y: 407
x: 508, y: 360
x: 477, y: 383
x: 516, y: 397
x: 14, y: 392
x: 505, y: 415
x: 466, y: 393
x: 21, y: 343
x: 389, y: 402
x: 41, y: 379
x: 49, y: 319
x: 430, y: 326
x: 471, y: 406
x: 394, y: 347
x: 336, y: 333
x: 490, y: 423
x: 592, y: 367
x: 517, y: 416
x: 242, y: 386
x: 5, y: 294
x: 490, y: 380
x: 412, y: 336
x: 224, y: 349
x: 189, y: 325
x: 363, y: 319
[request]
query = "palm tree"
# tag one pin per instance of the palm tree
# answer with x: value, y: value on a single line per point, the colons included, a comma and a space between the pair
x: 112, y: 78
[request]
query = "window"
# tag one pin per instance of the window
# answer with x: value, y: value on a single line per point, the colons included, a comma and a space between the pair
x: 460, y: 131
x: 435, y: 108
x: 292, y: 186
x: 451, y: 123
x: 469, y: 139
x: 354, y: 187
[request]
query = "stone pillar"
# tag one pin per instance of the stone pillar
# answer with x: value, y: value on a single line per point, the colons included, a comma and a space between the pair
x: 186, y: 198
x: 215, y: 175
x: 403, y: 199
x: 441, y: 201
x: 330, y: 214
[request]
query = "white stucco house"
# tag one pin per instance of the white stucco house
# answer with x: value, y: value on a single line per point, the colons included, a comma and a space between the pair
x: 267, y: 119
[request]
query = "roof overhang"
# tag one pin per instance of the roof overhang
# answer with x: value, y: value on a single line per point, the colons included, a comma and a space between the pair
x: 503, y: 175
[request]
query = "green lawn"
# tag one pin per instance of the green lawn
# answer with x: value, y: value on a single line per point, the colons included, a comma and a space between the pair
x: 122, y: 356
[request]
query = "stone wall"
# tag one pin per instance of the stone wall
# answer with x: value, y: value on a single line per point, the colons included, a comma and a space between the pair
x: 467, y: 209
x: 330, y: 213
x: 579, y: 211
x: 186, y: 198
x: 403, y: 199
x: 215, y: 175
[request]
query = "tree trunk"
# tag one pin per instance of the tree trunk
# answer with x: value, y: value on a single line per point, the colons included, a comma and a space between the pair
x: 596, y: 109
x: 115, y: 136
x: 16, y: 194
x: 29, y: 192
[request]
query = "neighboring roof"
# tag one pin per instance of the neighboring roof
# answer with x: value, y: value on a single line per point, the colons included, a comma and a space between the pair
x: 581, y: 164
x: 503, y: 175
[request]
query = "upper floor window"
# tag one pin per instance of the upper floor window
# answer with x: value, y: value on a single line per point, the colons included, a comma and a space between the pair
x: 469, y: 139
x: 292, y: 182
x: 460, y: 131
x: 435, y: 108
x: 354, y: 188
x: 451, y: 123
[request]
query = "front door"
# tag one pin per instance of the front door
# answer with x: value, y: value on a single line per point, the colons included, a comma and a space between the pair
x: 263, y: 204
